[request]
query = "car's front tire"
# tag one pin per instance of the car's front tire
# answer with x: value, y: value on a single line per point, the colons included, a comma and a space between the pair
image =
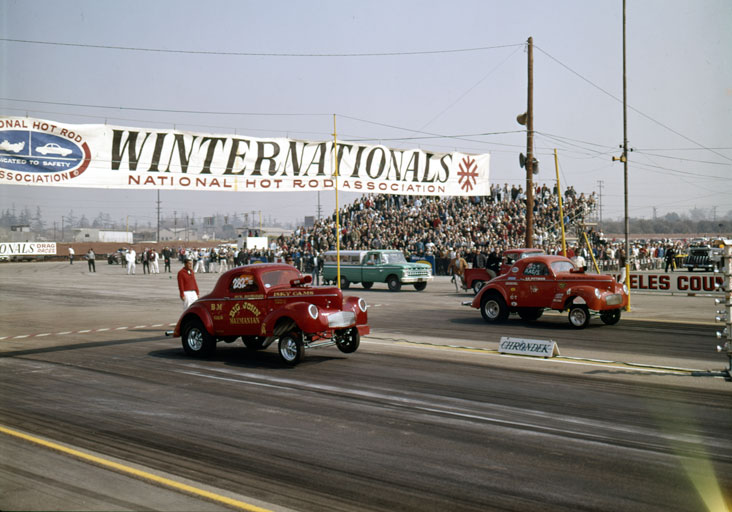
x: 196, y: 340
x: 348, y: 340
x: 291, y: 348
x: 393, y: 283
x: 579, y: 316
x: 477, y: 285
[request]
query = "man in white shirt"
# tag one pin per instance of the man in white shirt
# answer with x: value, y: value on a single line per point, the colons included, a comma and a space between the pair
x: 130, y: 259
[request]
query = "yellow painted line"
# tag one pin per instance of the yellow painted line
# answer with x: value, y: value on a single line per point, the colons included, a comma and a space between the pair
x: 135, y: 472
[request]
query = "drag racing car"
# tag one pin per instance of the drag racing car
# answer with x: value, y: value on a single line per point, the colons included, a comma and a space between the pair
x: 536, y: 283
x: 269, y: 302
x: 475, y: 278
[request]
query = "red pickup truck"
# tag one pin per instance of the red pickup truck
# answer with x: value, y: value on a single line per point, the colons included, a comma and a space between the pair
x: 271, y: 302
x: 475, y: 278
x: 536, y: 283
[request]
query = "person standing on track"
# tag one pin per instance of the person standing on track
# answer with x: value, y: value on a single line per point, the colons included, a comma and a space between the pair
x: 130, y: 258
x: 91, y: 260
x: 187, y: 285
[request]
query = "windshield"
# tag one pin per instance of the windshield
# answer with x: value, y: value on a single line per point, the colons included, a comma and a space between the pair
x: 530, y: 253
x: 562, y: 266
x: 279, y: 277
x: 394, y: 257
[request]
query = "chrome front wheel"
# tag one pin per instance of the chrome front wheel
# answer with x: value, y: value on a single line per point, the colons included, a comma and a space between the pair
x: 291, y: 348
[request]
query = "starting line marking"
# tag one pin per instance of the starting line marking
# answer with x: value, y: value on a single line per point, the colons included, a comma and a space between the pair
x: 83, y: 331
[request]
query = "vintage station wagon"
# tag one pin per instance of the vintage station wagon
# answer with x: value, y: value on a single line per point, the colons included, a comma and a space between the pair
x: 536, y: 283
x: 271, y: 302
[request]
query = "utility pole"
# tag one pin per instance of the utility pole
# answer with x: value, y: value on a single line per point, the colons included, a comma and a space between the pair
x: 158, y: 236
x: 600, y: 184
x: 530, y: 148
x: 625, y: 165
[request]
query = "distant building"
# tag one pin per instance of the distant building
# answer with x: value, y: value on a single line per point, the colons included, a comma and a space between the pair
x: 102, y: 235
x: 173, y: 235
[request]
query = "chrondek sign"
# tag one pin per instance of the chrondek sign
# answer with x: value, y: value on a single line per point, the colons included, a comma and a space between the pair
x: 526, y: 347
x: 46, y: 153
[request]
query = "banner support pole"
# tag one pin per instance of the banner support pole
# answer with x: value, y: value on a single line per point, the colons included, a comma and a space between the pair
x: 338, y: 220
x: 561, y: 211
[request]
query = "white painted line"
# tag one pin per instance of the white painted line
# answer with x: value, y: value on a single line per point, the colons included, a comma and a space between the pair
x: 65, y: 332
x: 102, y: 330
x: 21, y: 336
x: 84, y: 331
x: 557, y: 360
x: 44, y: 334
x: 157, y: 325
x: 3, y: 338
x: 139, y: 326
x: 120, y: 328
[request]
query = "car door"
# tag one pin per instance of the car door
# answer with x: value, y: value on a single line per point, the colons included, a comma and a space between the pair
x: 535, y: 285
x: 246, y: 307
x: 372, y: 268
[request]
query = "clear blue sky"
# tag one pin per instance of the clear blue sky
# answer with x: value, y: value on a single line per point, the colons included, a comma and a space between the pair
x: 679, y: 88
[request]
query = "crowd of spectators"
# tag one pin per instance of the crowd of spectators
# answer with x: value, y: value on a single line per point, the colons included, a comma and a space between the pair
x: 478, y: 229
x: 443, y: 226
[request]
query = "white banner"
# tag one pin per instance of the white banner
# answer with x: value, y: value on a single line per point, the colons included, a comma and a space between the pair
x: 27, y: 248
x: 675, y: 282
x: 46, y: 153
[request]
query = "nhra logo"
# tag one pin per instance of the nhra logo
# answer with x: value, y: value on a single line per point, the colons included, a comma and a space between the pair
x: 41, y: 149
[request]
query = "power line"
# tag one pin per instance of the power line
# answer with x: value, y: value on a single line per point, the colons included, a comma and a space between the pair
x: 259, y: 54
x: 167, y: 110
x: 631, y: 107
x: 469, y: 89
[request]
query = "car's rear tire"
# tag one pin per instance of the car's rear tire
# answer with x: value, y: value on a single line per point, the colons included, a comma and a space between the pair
x: 610, y: 317
x: 493, y: 308
x: 579, y: 316
x: 393, y: 283
x: 367, y: 285
x: 348, y: 340
x: 477, y: 285
x: 196, y: 340
x: 420, y: 286
x: 291, y: 348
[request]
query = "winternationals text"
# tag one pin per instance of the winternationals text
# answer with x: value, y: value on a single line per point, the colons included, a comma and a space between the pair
x: 136, y: 158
